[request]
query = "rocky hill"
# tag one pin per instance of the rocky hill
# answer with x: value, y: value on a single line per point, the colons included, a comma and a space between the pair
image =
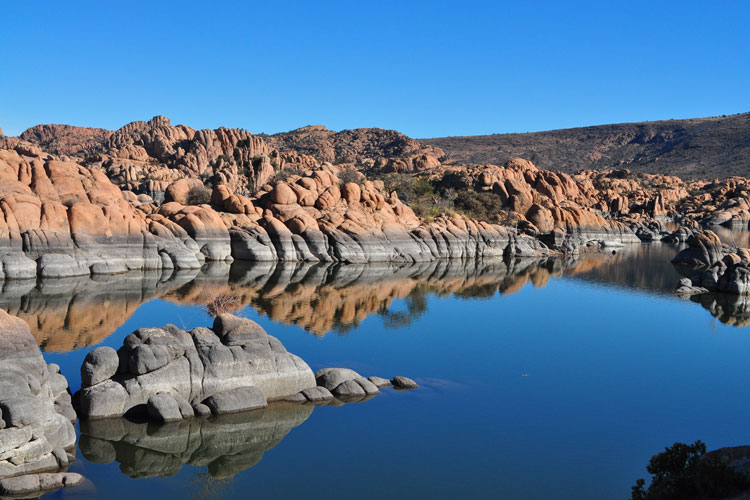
x: 701, y: 148
x: 385, y: 150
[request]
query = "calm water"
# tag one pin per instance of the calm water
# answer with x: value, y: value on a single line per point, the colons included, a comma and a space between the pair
x: 540, y: 380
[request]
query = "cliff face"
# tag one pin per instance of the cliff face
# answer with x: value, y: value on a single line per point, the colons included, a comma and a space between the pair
x: 701, y: 148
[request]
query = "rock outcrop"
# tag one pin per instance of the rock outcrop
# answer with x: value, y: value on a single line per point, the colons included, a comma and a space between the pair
x: 36, y: 433
x: 58, y: 219
x: 235, y: 366
x: 715, y: 267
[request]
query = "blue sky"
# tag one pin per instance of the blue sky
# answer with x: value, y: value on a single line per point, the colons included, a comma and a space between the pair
x: 425, y: 68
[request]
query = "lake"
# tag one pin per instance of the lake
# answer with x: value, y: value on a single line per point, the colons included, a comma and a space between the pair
x: 538, y: 379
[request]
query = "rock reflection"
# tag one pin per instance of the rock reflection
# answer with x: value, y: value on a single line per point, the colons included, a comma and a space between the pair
x: 68, y: 313
x: 225, y: 445
x: 337, y: 297
x: 728, y: 308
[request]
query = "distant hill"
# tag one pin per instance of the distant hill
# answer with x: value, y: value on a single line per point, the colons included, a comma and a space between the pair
x: 700, y: 148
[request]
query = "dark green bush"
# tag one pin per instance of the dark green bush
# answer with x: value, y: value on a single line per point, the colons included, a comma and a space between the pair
x: 681, y: 472
x: 198, y: 195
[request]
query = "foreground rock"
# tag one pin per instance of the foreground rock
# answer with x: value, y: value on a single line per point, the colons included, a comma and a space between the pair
x: 168, y: 372
x: 36, y: 433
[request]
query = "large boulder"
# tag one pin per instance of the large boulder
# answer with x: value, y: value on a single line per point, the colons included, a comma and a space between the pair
x: 36, y: 432
x: 704, y: 249
x: 232, y: 367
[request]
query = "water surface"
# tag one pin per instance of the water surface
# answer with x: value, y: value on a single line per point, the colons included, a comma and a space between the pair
x: 539, y: 379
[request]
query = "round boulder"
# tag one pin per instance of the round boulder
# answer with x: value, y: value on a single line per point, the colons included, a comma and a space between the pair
x: 99, y: 365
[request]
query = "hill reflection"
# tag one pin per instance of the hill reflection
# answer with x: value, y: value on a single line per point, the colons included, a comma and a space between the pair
x: 65, y: 314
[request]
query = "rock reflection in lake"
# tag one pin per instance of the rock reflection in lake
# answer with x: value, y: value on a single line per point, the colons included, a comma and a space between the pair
x: 337, y: 297
x: 68, y: 313
x: 65, y: 314
x: 225, y: 445
x: 728, y: 308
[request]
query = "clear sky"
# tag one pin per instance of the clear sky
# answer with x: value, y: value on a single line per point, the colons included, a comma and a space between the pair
x: 425, y: 68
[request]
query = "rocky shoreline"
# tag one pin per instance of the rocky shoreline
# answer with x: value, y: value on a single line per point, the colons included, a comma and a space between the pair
x: 202, y: 383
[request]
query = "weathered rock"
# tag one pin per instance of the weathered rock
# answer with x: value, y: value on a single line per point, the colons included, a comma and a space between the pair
x: 36, y: 427
x: 163, y: 407
x: 379, y: 381
x: 236, y: 400
x: 345, y: 383
x: 100, y: 364
x: 38, y: 483
x: 226, y: 368
x: 704, y: 248
x: 403, y: 383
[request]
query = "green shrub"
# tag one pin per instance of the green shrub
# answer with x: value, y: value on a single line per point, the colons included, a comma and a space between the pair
x: 198, y: 195
x: 681, y: 472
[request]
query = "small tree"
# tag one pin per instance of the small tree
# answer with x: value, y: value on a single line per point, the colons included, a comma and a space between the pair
x: 681, y: 472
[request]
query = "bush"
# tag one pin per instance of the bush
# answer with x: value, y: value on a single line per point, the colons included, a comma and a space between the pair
x: 681, y: 472
x: 223, y: 303
x: 479, y: 205
x: 284, y: 174
x: 348, y: 175
x: 198, y: 195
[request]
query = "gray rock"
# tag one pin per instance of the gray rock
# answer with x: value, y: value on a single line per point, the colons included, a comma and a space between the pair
x: 349, y: 389
x: 201, y: 410
x: 403, y: 383
x: 163, y: 407
x: 196, y: 364
x: 100, y: 364
x: 317, y: 394
x: 296, y: 398
x: 36, y: 429
x: 345, y: 383
x: 330, y: 378
x: 236, y: 400
x: 379, y: 382
x: 34, y: 483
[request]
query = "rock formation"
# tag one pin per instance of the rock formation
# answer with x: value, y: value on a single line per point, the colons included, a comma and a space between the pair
x: 36, y: 433
x: 717, y: 268
x: 235, y: 366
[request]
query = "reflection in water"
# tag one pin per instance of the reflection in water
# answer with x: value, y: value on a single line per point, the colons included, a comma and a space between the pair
x: 337, y: 297
x: 728, y: 308
x: 225, y: 445
x: 66, y: 314
x: 642, y: 267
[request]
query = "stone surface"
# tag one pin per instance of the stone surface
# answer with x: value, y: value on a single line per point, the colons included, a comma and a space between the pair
x: 345, y: 383
x: 379, y: 381
x: 100, y: 364
x: 236, y: 400
x: 35, y: 409
x: 237, y: 354
x: 400, y: 382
